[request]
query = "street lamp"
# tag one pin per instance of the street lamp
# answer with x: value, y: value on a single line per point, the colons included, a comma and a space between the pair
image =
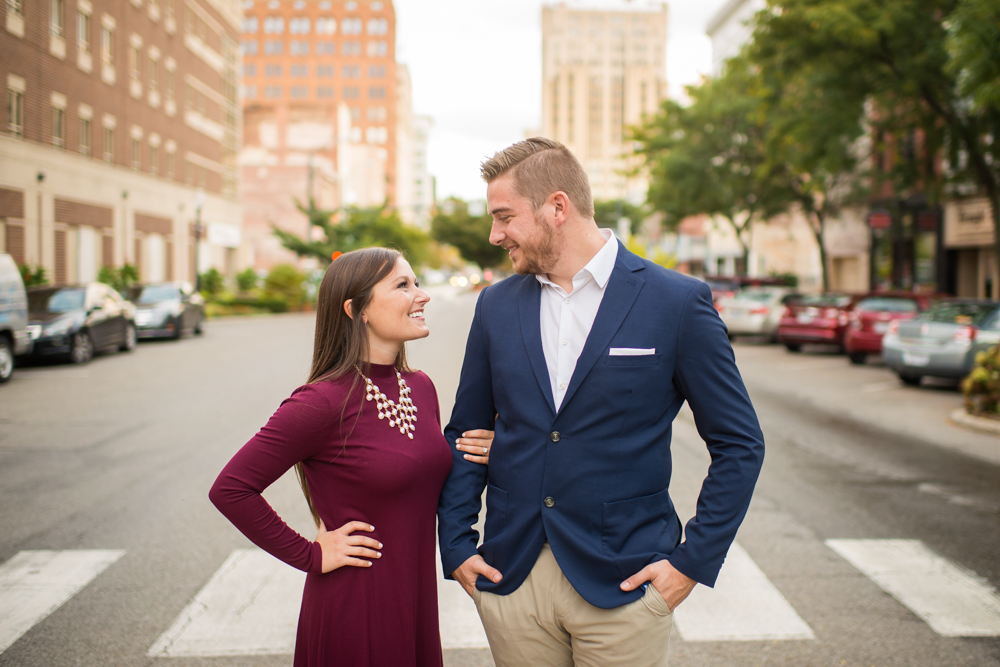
x: 199, y: 201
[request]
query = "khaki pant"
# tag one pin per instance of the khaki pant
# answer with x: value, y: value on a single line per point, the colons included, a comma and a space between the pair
x: 545, y: 622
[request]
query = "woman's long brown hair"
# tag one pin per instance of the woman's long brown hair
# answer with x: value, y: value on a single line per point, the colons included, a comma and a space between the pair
x: 341, y: 343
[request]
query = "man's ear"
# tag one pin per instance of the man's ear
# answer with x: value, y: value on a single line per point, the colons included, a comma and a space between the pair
x: 560, y: 206
x: 348, y: 309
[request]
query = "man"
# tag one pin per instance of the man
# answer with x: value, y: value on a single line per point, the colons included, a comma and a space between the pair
x: 584, y: 360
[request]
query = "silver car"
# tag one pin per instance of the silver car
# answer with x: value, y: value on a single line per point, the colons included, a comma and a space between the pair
x: 755, y: 311
x: 14, y: 337
x: 943, y: 341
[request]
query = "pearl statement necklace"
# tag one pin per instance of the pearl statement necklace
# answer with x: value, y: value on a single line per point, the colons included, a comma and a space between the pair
x: 403, y: 415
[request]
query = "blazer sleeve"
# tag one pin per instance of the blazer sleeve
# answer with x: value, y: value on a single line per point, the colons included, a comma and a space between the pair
x: 296, y: 431
x: 707, y: 376
x: 460, y: 500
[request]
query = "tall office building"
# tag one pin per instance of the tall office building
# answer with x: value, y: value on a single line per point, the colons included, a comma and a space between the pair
x: 319, y: 110
x: 119, y: 136
x: 602, y: 70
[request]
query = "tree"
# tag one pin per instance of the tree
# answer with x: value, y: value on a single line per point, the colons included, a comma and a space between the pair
x: 356, y: 228
x: 469, y: 234
x: 607, y: 213
x: 708, y: 158
x: 927, y: 67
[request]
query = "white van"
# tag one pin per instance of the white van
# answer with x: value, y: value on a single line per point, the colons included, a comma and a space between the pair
x: 13, y: 316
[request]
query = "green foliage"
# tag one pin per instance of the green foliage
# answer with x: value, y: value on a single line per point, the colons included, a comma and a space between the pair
x: 470, y: 235
x: 974, y: 47
x: 33, y: 276
x: 357, y: 228
x: 285, y: 283
x: 607, y: 213
x: 247, y: 280
x: 212, y: 282
x: 787, y: 279
x: 981, y: 387
x: 119, y: 278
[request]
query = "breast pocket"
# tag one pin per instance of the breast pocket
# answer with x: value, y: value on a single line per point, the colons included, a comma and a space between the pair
x: 639, y: 360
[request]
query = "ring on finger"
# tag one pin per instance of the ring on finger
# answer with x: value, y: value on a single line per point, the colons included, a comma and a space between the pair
x: 485, y: 450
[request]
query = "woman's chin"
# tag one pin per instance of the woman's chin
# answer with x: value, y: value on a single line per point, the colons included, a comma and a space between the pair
x: 421, y: 331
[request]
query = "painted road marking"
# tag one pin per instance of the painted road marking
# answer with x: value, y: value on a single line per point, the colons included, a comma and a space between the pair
x: 953, y: 601
x: 33, y: 584
x: 250, y: 606
x: 743, y: 606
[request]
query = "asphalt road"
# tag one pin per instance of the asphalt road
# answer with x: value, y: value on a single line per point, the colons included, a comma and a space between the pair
x: 119, y: 455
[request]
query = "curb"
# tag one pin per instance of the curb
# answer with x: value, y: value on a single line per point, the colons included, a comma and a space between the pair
x: 982, y: 424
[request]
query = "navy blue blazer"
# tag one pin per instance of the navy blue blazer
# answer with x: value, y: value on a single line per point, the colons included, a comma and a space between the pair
x: 593, y: 478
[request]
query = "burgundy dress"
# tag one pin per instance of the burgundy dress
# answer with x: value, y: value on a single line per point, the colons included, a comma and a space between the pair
x: 386, y: 614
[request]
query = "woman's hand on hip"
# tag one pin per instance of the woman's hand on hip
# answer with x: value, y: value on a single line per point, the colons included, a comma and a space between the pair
x: 476, y: 445
x: 341, y: 548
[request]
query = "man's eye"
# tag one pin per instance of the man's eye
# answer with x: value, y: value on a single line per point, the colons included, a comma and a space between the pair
x: 403, y: 284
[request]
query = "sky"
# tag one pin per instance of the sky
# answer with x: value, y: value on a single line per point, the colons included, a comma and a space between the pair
x: 476, y: 67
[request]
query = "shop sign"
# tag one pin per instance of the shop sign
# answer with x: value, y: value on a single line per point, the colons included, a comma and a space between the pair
x: 224, y: 235
x: 880, y: 220
x: 968, y: 223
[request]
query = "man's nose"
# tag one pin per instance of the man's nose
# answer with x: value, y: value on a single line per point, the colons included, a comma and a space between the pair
x: 496, y: 236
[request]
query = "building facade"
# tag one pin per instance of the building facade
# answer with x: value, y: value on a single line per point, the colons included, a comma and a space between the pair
x: 602, y: 71
x: 119, y: 137
x: 320, y: 113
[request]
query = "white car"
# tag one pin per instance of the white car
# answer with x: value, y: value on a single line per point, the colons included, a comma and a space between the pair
x: 14, y: 337
x: 755, y: 311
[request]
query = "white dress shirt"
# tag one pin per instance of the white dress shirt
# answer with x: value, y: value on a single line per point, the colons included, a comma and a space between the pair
x: 566, y: 319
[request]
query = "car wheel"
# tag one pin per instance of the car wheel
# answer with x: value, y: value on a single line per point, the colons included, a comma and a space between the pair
x: 82, y: 348
x: 911, y: 380
x: 858, y: 357
x: 199, y: 327
x: 178, y: 328
x: 793, y: 347
x: 6, y: 359
x: 130, y: 337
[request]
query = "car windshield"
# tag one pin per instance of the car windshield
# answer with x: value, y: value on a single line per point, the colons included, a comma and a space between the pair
x: 56, y: 301
x: 889, y: 304
x: 824, y: 301
x: 958, y: 312
x: 757, y: 296
x: 157, y: 293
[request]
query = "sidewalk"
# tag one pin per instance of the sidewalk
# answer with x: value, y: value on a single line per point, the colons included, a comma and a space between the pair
x: 870, y: 396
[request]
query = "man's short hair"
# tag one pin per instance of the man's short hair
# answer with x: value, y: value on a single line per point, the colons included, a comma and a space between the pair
x: 539, y: 167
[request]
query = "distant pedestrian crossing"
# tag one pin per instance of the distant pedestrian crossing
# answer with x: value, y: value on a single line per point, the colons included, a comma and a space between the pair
x: 250, y: 605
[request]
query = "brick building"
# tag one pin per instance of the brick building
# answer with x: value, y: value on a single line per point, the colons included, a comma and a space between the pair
x: 320, y: 87
x: 120, y: 129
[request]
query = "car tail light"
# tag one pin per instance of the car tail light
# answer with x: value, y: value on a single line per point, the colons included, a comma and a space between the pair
x: 759, y: 311
x: 830, y: 313
x: 788, y: 312
x: 965, y: 335
x: 842, y: 319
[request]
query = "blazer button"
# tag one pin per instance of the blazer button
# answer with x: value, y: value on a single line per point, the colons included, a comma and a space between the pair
x: 549, y: 501
x: 554, y: 436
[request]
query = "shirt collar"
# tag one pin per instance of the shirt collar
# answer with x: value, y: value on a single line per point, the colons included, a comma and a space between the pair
x: 599, y: 267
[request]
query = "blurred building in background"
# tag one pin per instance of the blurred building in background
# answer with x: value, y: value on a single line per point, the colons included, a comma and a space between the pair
x: 320, y: 107
x: 602, y: 70
x: 414, y: 185
x: 119, y: 136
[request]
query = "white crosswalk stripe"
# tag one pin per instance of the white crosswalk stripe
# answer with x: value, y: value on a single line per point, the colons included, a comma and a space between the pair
x: 33, y: 584
x: 953, y: 601
x: 743, y: 606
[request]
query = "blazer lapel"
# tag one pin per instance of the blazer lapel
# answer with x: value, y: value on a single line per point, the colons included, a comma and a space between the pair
x: 529, y: 312
x: 621, y: 292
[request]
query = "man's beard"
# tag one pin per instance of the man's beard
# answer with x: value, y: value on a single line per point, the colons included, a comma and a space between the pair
x: 541, y: 258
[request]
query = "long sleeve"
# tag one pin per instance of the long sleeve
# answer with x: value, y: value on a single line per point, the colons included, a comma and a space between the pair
x: 297, y: 430
x: 707, y: 376
x: 459, y: 505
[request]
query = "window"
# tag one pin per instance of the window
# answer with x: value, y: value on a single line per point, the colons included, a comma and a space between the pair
x: 324, y: 91
x: 324, y: 49
x: 107, y: 46
x: 299, y: 26
x: 326, y: 26
x: 299, y: 47
x: 324, y: 70
x: 202, y: 177
x: 376, y: 93
x: 154, y: 77
x: 84, y: 136
x: 170, y: 165
x: 351, y: 71
x: 250, y: 93
x: 56, y: 17
x: 188, y: 172
x: 83, y: 32
x: 168, y: 81
x: 274, y: 25
x: 299, y: 91
x: 250, y: 25
x: 58, y: 131
x: 378, y: 26
x: 15, y: 6
x: 376, y: 72
x: 249, y: 47
x: 300, y: 71
x: 109, y: 144
x: 377, y: 114
x: 351, y: 26
x: 351, y: 49
x: 376, y: 48
x: 134, y: 56
x: 154, y: 158
x: 15, y: 112
x: 272, y: 91
x: 273, y: 70
x: 351, y: 93
x: 249, y: 70
x: 135, y: 155
x: 274, y: 47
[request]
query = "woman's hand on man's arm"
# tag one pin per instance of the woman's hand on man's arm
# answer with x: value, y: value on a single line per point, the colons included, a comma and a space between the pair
x: 476, y: 445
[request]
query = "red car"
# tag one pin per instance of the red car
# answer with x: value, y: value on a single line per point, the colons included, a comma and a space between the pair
x: 871, y: 317
x: 816, y: 318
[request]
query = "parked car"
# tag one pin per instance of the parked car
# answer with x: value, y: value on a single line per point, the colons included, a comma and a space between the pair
x: 726, y: 287
x: 942, y: 342
x: 74, y: 322
x: 756, y: 311
x: 872, y: 316
x: 167, y: 310
x: 14, y: 337
x: 816, y: 318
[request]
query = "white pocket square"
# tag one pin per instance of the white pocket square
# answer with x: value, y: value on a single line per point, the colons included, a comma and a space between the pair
x: 631, y: 351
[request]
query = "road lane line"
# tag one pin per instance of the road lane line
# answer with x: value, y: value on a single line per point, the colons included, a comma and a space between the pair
x: 743, y: 606
x: 33, y: 584
x: 250, y: 606
x: 953, y: 601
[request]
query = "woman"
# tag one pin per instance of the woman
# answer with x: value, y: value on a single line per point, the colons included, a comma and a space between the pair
x: 365, y: 438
